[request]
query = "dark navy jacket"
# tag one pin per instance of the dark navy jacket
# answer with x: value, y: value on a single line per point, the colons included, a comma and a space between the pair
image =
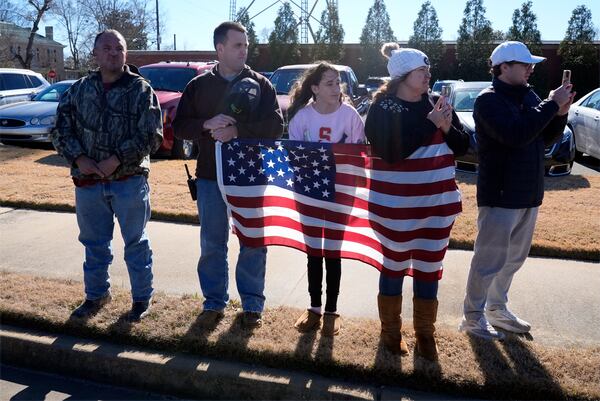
x: 513, y: 127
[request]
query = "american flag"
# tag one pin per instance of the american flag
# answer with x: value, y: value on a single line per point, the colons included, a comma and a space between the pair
x: 336, y: 200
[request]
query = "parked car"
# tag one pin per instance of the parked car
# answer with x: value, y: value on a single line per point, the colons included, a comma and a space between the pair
x: 168, y: 79
x: 17, y: 85
x: 584, y: 121
x: 437, y: 85
x: 558, y: 157
x: 374, y: 83
x: 32, y: 120
x: 283, y: 80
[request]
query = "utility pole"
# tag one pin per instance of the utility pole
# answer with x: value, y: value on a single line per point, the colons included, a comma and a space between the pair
x: 157, y: 28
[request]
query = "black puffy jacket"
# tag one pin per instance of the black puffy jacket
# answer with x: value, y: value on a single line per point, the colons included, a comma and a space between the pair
x: 513, y: 127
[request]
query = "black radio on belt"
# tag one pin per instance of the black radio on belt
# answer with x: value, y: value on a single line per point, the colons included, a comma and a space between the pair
x: 191, y: 183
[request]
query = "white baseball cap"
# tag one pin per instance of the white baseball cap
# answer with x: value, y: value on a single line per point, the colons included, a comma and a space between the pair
x: 403, y: 61
x: 513, y: 51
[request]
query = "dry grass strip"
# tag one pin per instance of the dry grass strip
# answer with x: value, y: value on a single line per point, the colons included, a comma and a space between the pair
x: 568, y: 225
x: 516, y: 368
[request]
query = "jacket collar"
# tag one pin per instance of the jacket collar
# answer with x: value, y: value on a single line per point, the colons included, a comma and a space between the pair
x: 123, y: 81
x: 513, y: 91
x: 243, y: 73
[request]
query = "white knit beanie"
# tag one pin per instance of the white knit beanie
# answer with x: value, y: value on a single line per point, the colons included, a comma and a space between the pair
x: 404, y: 60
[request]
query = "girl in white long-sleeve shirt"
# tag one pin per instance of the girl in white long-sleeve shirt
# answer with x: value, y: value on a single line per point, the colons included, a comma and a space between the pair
x: 318, y: 114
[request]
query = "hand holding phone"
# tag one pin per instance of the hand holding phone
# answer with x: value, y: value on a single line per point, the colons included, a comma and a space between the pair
x: 566, y: 78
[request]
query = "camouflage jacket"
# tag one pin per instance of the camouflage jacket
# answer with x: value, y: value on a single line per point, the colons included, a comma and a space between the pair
x: 124, y: 121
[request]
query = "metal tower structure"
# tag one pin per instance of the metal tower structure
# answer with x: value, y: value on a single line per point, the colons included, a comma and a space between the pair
x: 232, y: 9
x: 305, y: 14
x: 304, y: 24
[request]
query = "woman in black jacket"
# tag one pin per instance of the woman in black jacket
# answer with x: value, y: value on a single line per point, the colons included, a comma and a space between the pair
x: 403, y: 118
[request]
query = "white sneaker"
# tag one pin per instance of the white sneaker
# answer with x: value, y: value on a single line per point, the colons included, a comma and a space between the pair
x: 507, y: 320
x: 480, y: 328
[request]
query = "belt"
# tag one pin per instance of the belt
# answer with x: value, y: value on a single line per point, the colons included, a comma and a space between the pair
x: 88, y: 182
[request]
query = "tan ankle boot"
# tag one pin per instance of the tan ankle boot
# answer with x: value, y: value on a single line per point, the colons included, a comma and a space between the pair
x: 390, y: 308
x: 424, y: 316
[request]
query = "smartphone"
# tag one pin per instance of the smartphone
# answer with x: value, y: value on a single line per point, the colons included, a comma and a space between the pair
x: 566, y: 79
x: 445, y: 92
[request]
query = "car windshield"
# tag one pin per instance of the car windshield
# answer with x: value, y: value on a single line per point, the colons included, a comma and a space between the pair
x: 168, y: 79
x: 464, y: 98
x: 283, y: 80
x: 52, y: 93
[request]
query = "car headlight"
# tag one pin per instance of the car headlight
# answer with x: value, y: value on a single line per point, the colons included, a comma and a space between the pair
x: 48, y: 120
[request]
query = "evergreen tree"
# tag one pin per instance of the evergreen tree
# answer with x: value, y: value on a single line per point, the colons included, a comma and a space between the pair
x: 524, y: 29
x: 475, y: 43
x: 243, y: 18
x: 283, y: 41
x: 578, y: 52
x: 329, y: 39
x: 376, y: 32
x: 427, y: 37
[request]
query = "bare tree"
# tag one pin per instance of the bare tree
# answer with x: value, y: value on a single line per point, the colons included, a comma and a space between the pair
x: 69, y: 14
x: 35, y: 11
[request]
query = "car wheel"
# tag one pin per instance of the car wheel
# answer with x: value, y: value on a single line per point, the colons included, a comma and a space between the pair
x: 183, y: 149
x: 578, y: 154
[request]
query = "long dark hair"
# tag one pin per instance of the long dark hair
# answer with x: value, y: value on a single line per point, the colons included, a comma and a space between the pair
x: 391, y: 86
x: 301, y: 92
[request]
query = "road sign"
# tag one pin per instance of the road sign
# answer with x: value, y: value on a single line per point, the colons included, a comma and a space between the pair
x: 51, y: 74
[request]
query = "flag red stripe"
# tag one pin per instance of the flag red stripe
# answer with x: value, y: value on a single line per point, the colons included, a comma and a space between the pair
x: 340, y: 235
x: 383, y: 187
x: 284, y: 241
x: 342, y: 218
x: 423, y: 164
x: 436, y: 233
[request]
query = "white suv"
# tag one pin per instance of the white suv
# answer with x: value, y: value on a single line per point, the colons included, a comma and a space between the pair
x: 17, y: 85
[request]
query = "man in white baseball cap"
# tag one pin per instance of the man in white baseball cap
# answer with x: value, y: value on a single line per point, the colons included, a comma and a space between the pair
x: 513, y: 126
x: 513, y: 51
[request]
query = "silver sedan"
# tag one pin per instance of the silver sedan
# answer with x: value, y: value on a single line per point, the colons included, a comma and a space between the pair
x: 584, y: 120
x: 32, y: 121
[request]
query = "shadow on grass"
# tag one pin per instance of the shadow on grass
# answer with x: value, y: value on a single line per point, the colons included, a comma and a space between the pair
x: 515, y: 373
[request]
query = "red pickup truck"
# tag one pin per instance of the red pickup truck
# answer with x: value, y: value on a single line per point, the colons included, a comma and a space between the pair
x: 168, y: 79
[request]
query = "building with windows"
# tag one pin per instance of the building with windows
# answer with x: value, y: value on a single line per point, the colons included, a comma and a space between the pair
x: 47, y: 53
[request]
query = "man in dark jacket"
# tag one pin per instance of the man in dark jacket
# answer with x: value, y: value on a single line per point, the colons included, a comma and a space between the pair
x: 108, y: 123
x: 205, y: 115
x: 513, y: 127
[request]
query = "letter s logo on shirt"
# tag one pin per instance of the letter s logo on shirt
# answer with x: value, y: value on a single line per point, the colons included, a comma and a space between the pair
x: 325, y: 134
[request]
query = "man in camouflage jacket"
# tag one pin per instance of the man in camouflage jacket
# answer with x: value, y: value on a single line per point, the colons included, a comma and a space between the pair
x: 108, y: 124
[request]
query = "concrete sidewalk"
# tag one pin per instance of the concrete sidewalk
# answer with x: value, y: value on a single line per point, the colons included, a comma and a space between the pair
x: 559, y: 297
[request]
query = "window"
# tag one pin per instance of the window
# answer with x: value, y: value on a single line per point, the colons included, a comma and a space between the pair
x: 35, y: 81
x: 593, y: 102
x: 15, y: 81
x: 55, y: 55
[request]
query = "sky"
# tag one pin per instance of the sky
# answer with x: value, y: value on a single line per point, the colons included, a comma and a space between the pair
x: 193, y: 21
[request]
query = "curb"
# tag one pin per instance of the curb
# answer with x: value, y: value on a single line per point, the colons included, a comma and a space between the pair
x: 177, y: 373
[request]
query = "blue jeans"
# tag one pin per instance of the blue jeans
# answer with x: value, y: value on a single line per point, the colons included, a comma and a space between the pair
x: 392, y: 286
x: 213, y: 270
x: 96, y: 207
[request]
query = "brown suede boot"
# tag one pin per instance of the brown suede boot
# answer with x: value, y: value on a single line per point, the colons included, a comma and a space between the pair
x: 424, y: 316
x: 390, y: 308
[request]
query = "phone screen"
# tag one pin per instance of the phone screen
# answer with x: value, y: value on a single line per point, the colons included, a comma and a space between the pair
x: 566, y: 78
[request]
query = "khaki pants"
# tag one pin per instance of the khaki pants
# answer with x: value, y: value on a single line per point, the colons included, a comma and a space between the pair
x: 501, y: 247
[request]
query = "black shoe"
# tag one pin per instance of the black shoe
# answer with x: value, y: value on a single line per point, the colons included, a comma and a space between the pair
x: 251, y: 320
x: 138, y: 311
x: 90, y: 307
